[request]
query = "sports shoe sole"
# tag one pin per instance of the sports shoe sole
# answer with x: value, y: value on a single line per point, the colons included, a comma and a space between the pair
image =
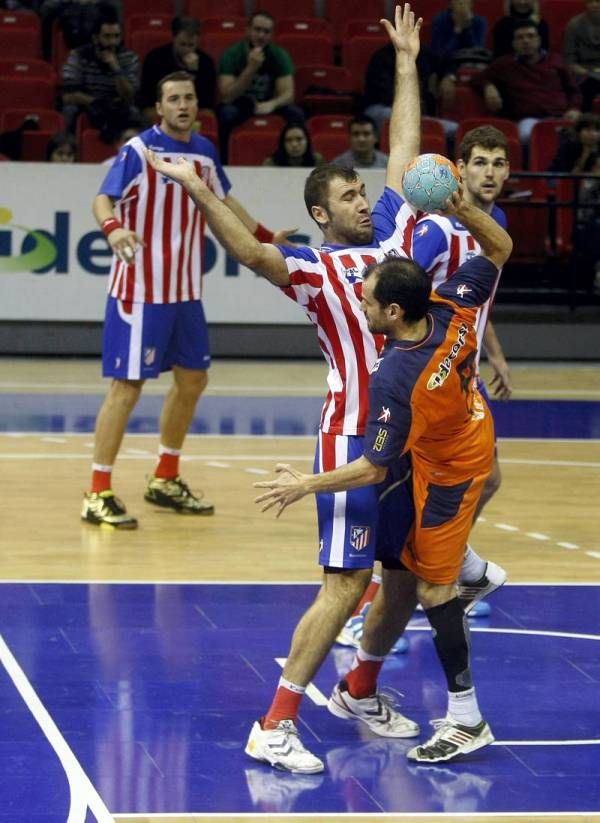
x: 166, y: 502
x: 482, y: 740
x: 127, y: 526
x: 341, y: 711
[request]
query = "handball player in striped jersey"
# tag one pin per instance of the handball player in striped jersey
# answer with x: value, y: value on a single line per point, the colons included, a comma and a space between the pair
x: 154, y: 316
x: 327, y: 283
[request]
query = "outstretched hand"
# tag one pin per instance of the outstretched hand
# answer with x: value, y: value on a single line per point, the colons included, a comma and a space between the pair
x: 181, y: 170
x: 283, y: 490
x: 404, y: 34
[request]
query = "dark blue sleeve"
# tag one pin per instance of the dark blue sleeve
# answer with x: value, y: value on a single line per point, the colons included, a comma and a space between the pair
x: 126, y: 167
x: 390, y: 418
x: 471, y: 284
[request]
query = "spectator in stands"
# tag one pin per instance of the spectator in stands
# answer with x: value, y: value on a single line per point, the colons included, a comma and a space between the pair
x: 61, y: 149
x: 124, y: 137
x: 528, y: 84
x: 181, y: 54
x: 101, y: 79
x: 579, y: 153
x: 76, y: 20
x: 294, y: 149
x: 11, y: 142
x: 379, y: 85
x: 362, y: 153
x: 582, y: 51
x: 457, y: 39
x: 579, y: 146
x: 517, y: 11
x: 255, y: 77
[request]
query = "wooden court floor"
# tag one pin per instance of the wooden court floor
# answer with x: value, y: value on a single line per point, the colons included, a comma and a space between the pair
x: 543, y: 526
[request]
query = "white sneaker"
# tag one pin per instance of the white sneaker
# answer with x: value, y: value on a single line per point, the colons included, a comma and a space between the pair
x: 352, y: 632
x: 471, y: 593
x: 281, y: 748
x: 451, y: 739
x: 377, y: 712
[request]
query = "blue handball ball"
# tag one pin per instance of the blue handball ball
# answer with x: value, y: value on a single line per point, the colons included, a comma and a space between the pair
x: 429, y: 180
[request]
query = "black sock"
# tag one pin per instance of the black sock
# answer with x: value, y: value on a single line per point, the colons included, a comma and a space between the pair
x: 451, y: 637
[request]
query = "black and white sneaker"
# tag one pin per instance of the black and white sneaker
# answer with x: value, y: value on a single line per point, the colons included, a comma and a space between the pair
x: 470, y: 594
x: 174, y: 493
x: 451, y: 739
x: 104, y: 509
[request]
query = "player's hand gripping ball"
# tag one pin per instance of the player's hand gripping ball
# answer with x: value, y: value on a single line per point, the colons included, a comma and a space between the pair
x: 429, y: 180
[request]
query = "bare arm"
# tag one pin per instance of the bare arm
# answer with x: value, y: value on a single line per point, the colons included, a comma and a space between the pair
x: 227, y: 227
x: 251, y: 224
x: 284, y: 95
x: 501, y: 382
x: 292, y: 485
x: 405, y: 120
x: 123, y: 242
x: 495, y: 243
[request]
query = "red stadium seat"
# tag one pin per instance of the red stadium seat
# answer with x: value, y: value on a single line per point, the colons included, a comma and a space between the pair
x: 60, y: 50
x: 527, y: 226
x: 137, y: 21
x: 543, y: 143
x: 557, y: 14
x: 19, y: 20
x: 324, y: 89
x: 92, y: 149
x: 356, y: 53
x: 144, y: 6
x: 20, y: 42
x: 432, y: 133
x: 433, y: 144
x: 25, y: 67
x: 507, y: 127
x: 330, y: 144
x: 283, y: 8
x: 467, y: 103
x: 215, y: 42
x: 209, y: 126
x: 144, y: 40
x: 565, y: 191
x: 306, y: 49
x: 253, y: 141
x: 340, y: 11
x: 204, y: 9
x: 36, y: 91
x: 302, y: 25
x: 48, y: 119
x: 328, y: 123
x: 224, y: 24
x: 360, y: 27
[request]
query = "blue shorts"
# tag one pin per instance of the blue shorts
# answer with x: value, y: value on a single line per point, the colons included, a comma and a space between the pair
x: 349, y: 524
x: 142, y: 340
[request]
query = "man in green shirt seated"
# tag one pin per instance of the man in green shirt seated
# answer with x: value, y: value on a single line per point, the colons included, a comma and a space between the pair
x: 255, y: 77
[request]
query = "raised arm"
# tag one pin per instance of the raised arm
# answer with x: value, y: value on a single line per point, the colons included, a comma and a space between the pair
x: 495, y: 243
x: 405, y: 120
x: 229, y: 230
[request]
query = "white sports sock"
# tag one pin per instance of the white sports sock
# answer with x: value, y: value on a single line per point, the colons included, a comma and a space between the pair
x: 473, y: 566
x: 166, y: 450
x: 292, y: 687
x: 463, y: 707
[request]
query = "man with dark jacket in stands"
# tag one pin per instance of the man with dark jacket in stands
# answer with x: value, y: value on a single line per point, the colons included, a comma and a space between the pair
x: 181, y: 54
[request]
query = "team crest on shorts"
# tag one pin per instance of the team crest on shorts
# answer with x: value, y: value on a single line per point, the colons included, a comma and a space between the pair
x: 149, y: 356
x: 359, y: 537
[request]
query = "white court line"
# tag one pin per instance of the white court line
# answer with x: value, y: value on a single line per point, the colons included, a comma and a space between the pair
x: 83, y: 793
x: 318, y: 816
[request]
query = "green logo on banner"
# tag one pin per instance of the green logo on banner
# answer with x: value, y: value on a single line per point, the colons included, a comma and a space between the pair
x: 41, y: 255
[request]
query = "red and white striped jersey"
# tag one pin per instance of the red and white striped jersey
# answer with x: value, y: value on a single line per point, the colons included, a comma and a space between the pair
x: 327, y: 283
x: 168, y: 269
x: 441, y: 245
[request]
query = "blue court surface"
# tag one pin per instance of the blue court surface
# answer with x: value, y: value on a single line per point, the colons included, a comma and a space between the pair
x: 138, y: 698
x: 278, y: 416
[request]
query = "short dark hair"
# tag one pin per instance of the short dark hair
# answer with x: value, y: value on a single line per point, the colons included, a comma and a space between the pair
x: 316, y: 187
x: 588, y: 120
x: 401, y: 281
x: 187, y: 24
x: 488, y: 137
x: 175, y: 76
x: 107, y: 15
x: 59, y: 140
x: 259, y: 13
x: 362, y: 120
x: 526, y: 23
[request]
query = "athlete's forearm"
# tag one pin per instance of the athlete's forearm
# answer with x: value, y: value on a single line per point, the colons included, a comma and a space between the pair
x: 405, y: 120
x: 494, y: 241
x: 353, y: 475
